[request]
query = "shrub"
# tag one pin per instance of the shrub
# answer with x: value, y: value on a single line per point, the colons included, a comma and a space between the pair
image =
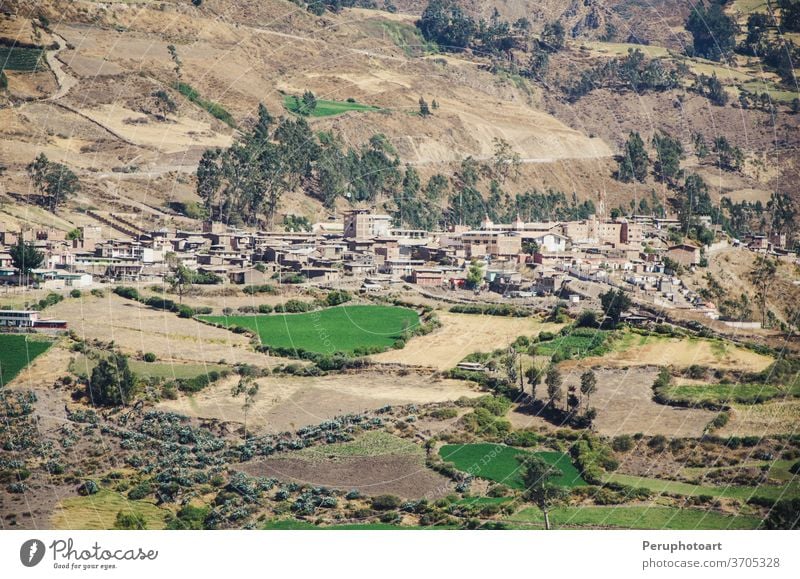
x: 264, y: 309
x: 88, y: 487
x: 622, y: 443
x: 149, y: 357
x: 697, y: 372
x: 76, y: 293
x: 386, y: 502
x: 658, y: 443
x: 443, y: 413
x: 260, y: 289
x: 140, y: 491
x: 127, y: 292
x: 130, y: 521
x: 587, y: 319
x: 185, y: 312
x: 98, y: 293
x: 337, y: 297
x: 523, y: 438
x: 720, y: 420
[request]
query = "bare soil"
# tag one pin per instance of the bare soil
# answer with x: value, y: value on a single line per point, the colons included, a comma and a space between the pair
x: 624, y: 403
x: 286, y: 403
x: 404, y: 476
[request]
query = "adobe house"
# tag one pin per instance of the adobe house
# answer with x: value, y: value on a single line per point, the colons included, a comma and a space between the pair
x: 685, y: 254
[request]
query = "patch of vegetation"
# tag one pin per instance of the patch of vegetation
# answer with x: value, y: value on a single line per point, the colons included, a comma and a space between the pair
x: 347, y: 329
x: 720, y: 394
x: 578, y: 343
x: 21, y: 59
x: 100, y: 510
x: 637, y: 517
x: 16, y: 352
x: 501, y: 463
x: 214, y: 109
x: 744, y: 493
x: 491, y: 310
x: 323, y: 108
x: 377, y: 443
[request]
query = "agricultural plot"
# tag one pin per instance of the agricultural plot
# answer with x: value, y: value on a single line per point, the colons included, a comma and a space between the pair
x: 287, y: 403
x: 99, y: 511
x: 16, y: 352
x: 374, y: 463
x: 339, y: 329
x: 462, y: 334
x: 634, y: 517
x: 325, y: 108
x: 20, y: 59
x: 501, y: 463
x: 655, y: 350
x: 580, y: 343
x: 774, y: 417
x: 726, y: 393
x: 83, y: 366
x: 744, y: 493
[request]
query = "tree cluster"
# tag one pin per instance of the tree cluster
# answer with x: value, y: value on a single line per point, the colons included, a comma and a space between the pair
x: 631, y: 72
x: 56, y: 182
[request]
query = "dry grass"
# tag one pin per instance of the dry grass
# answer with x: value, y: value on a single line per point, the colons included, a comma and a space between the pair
x: 462, y: 334
x: 137, y: 328
x: 286, y: 403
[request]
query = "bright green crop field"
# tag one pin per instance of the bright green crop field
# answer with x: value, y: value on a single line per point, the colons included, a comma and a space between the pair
x: 326, y: 108
x: 634, y: 517
x: 16, y: 352
x: 499, y: 463
x: 338, y: 329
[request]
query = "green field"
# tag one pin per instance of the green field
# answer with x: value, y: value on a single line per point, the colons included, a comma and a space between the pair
x: 99, y: 511
x: 338, y: 329
x: 580, y: 343
x: 16, y: 352
x: 724, y: 393
x: 22, y: 59
x: 83, y: 366
x: 326, y: 108
x: 778, y: 469
x: 789, y: 491
x: 499, y: 463
x: 374, y: 443
x: 634, y: 517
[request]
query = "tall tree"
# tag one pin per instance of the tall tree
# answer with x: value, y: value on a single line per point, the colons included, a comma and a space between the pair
x: 54, y: 180
x: 554, y: 381
x: 669, y: 153
x: 474, y: 275
x: 25, y: 257
x: 634, y: 162
x: 424, y: 109
x: 112, y: 382
x: 506, y: 162
x: 539, y: 488
x: 247, y: 388
x: 588, y: 384
x: 181, y: 279
x: 762, y: 275
x: 713, y: 32
x: 614, y: 304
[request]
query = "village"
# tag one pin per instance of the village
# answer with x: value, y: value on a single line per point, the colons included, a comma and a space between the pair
x: 517, y: 262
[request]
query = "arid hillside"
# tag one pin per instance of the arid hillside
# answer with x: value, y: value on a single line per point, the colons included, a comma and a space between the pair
x: 105, y: 100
